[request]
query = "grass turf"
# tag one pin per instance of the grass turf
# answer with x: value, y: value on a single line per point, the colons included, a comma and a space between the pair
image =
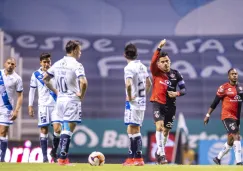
x: 112, y: 167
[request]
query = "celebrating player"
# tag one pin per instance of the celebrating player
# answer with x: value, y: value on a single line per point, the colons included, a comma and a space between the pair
x: 165, y: 81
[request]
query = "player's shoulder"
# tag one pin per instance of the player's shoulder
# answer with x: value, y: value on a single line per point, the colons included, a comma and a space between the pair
x: 17, y: 76
x: 225, y: 85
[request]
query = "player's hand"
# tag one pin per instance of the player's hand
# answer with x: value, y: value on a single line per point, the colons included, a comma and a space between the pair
x: 31, y: 111
x: 130, y: 99
x: 206, y: 120
x: 14, y: 115
x: 172, y: 94
x: 79, y: 95
x: 162, y: 43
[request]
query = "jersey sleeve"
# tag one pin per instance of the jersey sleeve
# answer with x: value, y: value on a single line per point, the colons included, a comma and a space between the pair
x: 221, y: 92
x: 128, y: 73
x: 19, y: 85
x: 33, y: 81
x: 180, y: 79
x: 79, y: 71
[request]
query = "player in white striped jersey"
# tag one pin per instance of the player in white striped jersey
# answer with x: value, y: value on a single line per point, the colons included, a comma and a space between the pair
x: 46, y: 105
x: 10, y: 83
x: 71, y: 83
x: 138, y: 83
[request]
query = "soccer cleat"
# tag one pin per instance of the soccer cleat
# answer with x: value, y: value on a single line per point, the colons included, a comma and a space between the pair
x: 63, y: 161
x: 217, y: 161
x: 53, y: 155
x: 45, y: 160
x: 138, y: 162
x: 240, y: 163
x: 128, y: 162
x: 160, y: 159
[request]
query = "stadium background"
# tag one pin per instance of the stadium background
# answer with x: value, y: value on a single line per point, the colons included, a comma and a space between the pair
x: 204, y: 41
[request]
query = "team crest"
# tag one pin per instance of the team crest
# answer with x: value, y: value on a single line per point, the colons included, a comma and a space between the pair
x: 172, y: 75
x: 232, y: 126
x: 156, y: 114
x: 240, y: 88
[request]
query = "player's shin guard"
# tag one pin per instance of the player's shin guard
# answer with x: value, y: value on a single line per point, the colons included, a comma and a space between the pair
x: 64, y: 143
x: 3, y: 148
x: 131, y: 149
x: 55, y: 141
x: 159, y: 141
x: 44, y: 144
x: 138, y: 145
x: 224, y: 151
x: 237, y: 150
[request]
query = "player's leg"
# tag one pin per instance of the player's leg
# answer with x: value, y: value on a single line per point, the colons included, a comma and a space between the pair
x: 158, y: 115
x: 71, y: 116
x: 3, y: 141
x: 57, y: 127
x: 237, y: 144
x: 138, y: 116
x: 43, y: 123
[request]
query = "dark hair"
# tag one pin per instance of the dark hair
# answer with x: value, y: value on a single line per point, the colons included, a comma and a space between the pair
x: 72, y: 45
x: 45, y: 56
x: 231, y: 69
x: 131, y: 51
x: 163, y: 54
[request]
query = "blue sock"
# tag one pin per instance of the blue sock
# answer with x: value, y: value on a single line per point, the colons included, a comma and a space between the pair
x: 44, y: 144
x: 55, y: 142
x: 138, y: 145
x: 4, y: 145
x: 64, y: 145
x: 131, y: 150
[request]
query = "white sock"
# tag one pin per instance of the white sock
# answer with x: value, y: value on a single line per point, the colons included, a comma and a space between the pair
x: 159, y: 141
x: 237, y: 150
x: 224, y: 151
x: 165, y: 139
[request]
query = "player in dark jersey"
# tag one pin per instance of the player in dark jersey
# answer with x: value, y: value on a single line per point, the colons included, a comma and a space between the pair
x: 231, y: 95
x: 165, y: 81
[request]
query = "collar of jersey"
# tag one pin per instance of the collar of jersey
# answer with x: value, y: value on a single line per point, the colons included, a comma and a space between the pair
x: 69, y: 57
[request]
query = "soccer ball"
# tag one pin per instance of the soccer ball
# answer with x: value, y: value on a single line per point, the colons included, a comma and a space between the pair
x: 96, y: 159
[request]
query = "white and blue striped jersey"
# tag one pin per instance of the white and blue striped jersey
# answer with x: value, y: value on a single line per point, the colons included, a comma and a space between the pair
x: 9, y: 85
x: 138, y: 72
x: 66, y: 72
x: 45, y: 96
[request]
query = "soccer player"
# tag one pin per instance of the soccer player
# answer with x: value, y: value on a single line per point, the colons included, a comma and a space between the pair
x: 165, y: 81
x: 10, y: 85
x: 71, y: 84
x: 46, y: 104
x: 138, y: 84
x: 231, y: 95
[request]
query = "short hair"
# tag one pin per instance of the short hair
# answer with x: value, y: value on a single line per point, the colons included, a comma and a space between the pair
x: 163, y: 54
x: 72, y: 45
x: 44, y: 56
x: 231, y: 69
x: 131, y: 51
x: 10, y: 58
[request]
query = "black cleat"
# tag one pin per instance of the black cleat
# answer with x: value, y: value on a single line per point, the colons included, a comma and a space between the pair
x: 240, y: 163
x: 53, y: 155
x: 160, y: 159
x: 45, y: 160
x: 217, y: 161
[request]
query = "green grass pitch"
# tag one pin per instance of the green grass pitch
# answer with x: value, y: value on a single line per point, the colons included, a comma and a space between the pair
x: 112, y: 167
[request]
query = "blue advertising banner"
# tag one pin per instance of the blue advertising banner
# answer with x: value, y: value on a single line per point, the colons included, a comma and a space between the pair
x: 208, y: 149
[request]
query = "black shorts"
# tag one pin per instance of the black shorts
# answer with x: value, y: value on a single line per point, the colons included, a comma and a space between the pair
x: 231, y: 125
x: 165, y: 113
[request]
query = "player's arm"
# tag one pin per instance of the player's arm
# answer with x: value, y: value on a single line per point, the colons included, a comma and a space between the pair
x: 148, y: 85
x: 153, y: 66
x: 129, y: 88
x: 83, y: 84
x: 19, y: 88
x: 33, y: 86
x: 182, y: 86
x: 218, y: 97
x: 47, y: 80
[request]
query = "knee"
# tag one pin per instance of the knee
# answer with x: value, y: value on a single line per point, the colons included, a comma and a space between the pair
x: 166, y: 132
x: 236, y: 137
x: 159, y: 128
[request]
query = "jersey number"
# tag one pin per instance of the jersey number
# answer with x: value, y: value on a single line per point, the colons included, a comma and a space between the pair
x: 141, y: 90
x: 62, y: 86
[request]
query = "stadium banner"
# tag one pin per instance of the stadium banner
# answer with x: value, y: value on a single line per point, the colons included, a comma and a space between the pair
x: 208, y: 149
